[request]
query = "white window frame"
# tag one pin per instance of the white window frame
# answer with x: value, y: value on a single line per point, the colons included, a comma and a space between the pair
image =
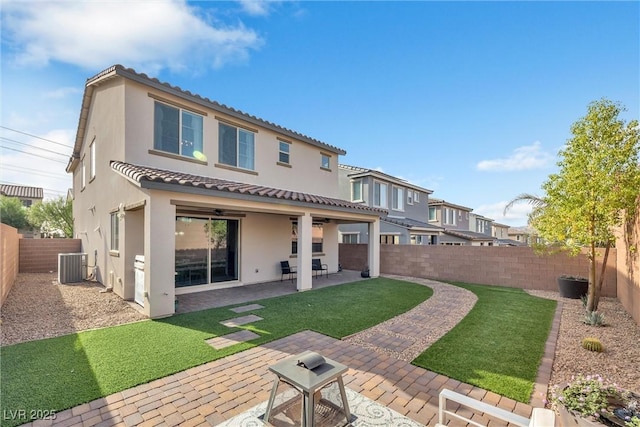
x: 356, y: 183
x: 114, y: 241
x: 244, y: 149
x: 286, y: 152
x: 382, y: 200
x: 449, y: 217
x: 83, y: 177
x: 435, y: 213
x: 357, y: 235
x: 397, y: 198
x: 409, y: 197
x: 92, y: 160
x: 325, y: 161
x: 416, y: 197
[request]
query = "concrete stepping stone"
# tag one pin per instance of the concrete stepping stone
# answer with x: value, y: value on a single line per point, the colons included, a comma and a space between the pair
x: 244, y: 308
x: 231, y: 339
x: 243, y: 320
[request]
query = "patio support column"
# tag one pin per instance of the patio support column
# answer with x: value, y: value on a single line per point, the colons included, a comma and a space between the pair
x: 374, y: 248
x: 305, y: 250
x: 159, y: 252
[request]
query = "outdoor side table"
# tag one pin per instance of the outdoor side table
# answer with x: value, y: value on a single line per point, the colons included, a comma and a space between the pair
x: 308, y: 373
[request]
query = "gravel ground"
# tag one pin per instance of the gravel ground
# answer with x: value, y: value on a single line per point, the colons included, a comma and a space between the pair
x: 619, y: 363
x: 38, y: 307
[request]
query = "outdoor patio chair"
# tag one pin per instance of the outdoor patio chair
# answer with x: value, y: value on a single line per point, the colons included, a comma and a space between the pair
x: 285, y: 268
x: 317, y: 265
x: 540, y: 417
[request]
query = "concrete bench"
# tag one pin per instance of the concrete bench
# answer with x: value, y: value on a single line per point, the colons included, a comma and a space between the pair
x: 539, y: 418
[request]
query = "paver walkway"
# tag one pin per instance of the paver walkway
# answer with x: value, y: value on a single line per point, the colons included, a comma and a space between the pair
x: 409, y: 334
x: 217, y: 391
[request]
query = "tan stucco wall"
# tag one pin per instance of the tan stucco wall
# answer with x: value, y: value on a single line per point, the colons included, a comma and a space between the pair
x: 518, y: 267
x: 304, y: 175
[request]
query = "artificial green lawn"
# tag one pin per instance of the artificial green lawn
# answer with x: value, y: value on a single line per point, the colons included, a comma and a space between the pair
x: 498, y: 346
x: 59, y: 373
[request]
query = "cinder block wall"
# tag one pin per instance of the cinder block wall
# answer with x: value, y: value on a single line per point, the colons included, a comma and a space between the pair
x: 9, y: 261
x: 518, y: 267
x: 41, y: 255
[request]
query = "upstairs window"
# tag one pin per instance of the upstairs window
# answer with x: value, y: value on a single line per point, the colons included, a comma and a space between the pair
x: 356, y: 190
x: 236, y: 147
x: 409, y: 197
x: 284, y: 155
x: 379, y: 194
x: 398, y: 199
x: 416, y: 197
x: 325, y: 161
x: 177, y: 131
x: 449, y: 216
x: 432, y: 213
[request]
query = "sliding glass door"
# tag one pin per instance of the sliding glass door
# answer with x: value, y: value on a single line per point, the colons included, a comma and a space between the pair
x: 206, y: 250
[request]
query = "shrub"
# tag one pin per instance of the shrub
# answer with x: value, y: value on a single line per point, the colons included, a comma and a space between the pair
x: 585, y: 395
x: 594, y: 318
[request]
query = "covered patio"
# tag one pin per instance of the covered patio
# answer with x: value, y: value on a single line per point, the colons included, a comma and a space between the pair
x: 242, y: 294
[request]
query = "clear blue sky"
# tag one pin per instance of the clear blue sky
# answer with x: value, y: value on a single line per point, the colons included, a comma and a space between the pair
x: 472, y: 100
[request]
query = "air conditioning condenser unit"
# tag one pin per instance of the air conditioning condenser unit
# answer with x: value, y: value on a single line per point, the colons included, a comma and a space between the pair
x: 72, y: 268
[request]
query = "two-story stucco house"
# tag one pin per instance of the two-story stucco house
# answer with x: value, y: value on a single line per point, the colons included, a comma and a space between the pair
x: 458, y: 223
x: 203, y: 195
x: 501, y: 233
x: 407, y: 205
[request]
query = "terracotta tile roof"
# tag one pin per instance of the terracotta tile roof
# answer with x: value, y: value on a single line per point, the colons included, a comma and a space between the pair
x: 214, y: 105
x: 357, y: 171
x: 412, y: 223
x: 140, y: 174
x: 21, y: 191
x: 469, y: 235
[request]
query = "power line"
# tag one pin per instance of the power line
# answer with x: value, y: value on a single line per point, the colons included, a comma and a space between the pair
x: 35, y: 136
x: 37, y: 148
x: 33, y: 172
x: 31, y: 154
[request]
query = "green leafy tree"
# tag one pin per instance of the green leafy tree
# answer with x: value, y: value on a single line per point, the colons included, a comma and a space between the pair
x: 53, y: 217
x: 13, y: 213
x: 597, y: 182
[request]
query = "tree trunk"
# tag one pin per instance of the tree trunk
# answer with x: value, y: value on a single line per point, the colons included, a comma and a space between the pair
x: 592, y: 299
x: 601, y: 278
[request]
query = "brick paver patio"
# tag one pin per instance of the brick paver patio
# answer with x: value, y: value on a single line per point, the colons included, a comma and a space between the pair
x: 217, y: 391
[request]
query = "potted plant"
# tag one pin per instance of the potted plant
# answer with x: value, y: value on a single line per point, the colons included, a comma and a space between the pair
x: 591, y: 401
x: 573, y: 286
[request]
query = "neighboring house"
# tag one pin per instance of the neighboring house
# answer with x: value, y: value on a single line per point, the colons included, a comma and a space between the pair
x: 210, y: 196
x: 458, y: 223
x: 27, y: 195
x: 407, y: 221
x: 524, y: 235
x: 481, y: 230
x: 501, y: 233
